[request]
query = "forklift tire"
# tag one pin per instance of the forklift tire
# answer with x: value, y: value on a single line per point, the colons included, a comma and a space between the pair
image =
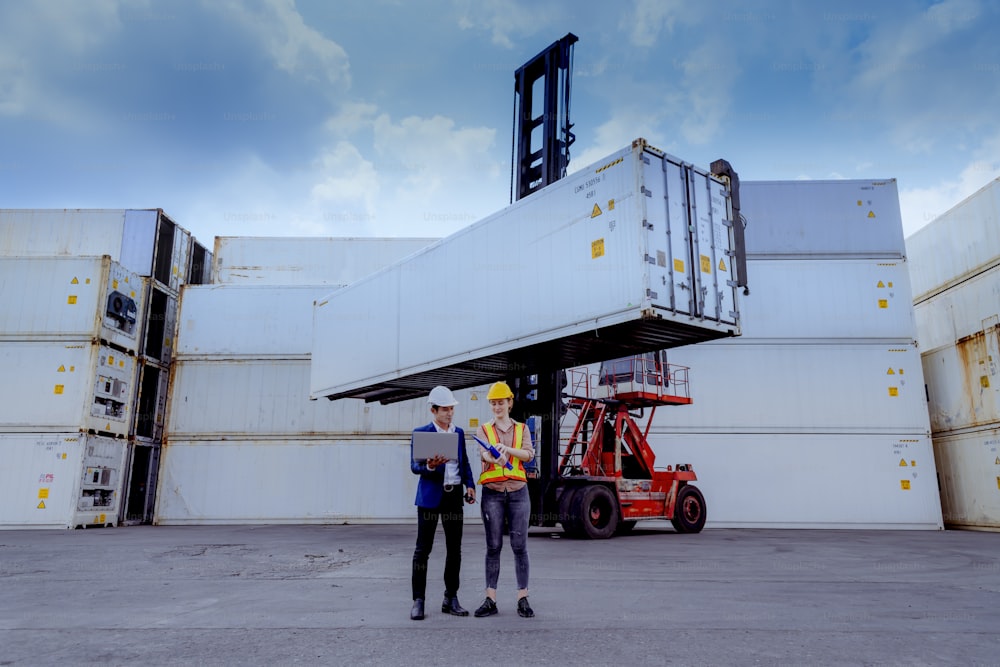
x: 571, y: 525
x: 689, y: 511
x: 596, y: 509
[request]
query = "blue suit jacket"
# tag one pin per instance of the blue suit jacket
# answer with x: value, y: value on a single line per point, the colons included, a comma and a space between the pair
x: 430, y: 488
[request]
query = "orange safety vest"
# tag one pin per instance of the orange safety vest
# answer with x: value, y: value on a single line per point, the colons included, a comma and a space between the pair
x: 499, y: 473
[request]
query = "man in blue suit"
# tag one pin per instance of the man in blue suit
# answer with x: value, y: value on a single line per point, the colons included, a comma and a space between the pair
x: 443, y: 485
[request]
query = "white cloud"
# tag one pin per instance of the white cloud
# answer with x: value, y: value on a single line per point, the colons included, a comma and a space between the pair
x: 349, y: 186
x: 920, y: 206
x: 295, y: 47
x: 351, y: 117
x: 505, y: 20
x: 650, y: 16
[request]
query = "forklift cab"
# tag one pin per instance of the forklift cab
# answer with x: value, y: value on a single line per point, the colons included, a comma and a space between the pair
x: 649, y: 369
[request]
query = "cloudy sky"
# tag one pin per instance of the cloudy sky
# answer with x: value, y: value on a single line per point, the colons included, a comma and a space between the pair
x: 393, y: 118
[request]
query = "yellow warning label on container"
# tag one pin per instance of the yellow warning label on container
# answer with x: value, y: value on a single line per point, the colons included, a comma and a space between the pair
x: 998, y: 461
x: 111, y: 360
x: 101, y: 518
x: 71, y: 299
x: 611, y: 204
x: 175, y: 266
x: 596, y: 211
x: 86, y: 281
x: 597, y: 249
x: 891, y: 372
x: 43, y: 493
x: 902, y: 463
x: 706, y: 264
x: 894, y: 391
x: 722, y: 265
x: 64, y: 456
x: 871, y: 214
x: 859, y: 202
x: 883, y: 303
x: 114, y: 284
x: 61, y: 369
x: 72, y: 368
x: 904, y: 484
x: 474, y: 396
x: 998, y: 482
x: 132, y: 294
x: 890, y: 284
x: 679, y: 265
x: 984, y: 382
x: 473, y: 422
x: 168, y: 341
x: 880, y: 284
x: 121, y: 363
x: 41, y: 505
x: 913, y: 464
x: 58, y: 390
x: 74, y: 281
x: 107, y: 427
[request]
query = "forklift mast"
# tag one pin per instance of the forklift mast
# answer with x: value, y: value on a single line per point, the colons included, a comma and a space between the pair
x: 548, y: 75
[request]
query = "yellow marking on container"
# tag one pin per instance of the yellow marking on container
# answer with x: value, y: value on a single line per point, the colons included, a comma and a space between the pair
x: 998, y: 461
x: 998, y: 482
x: 58, y: 389
x: 891, y: 372
x: 890, y: 284
x: 64, y: 456
x: 608, y: 165
x: 880, y: 284
x: 902, y: 463
x: 871, y: 214
x: 111, y: 360
x: 596, y: 211
x: 87, y: 281
x: 859, y: 202
x: 679, y: 265
x: 894, y: 391
x: 900, y: 371
x: 114, y: 284
x: 107, y: 427
x: 71, y: 299
x: 904, y: 484
x: 722, y: 265
x: 168, y: 341
x: 883, y: 303
x: 597, y: 249
x: 72, y: 368
x: 473, y: 396
x: 984, y: 382
x: 41, y: 505
x: 43, y: 493
x: 101, y: 518
x: 611, y: 204
x: 706, y: 264
x: 61, y: 369
x: 473, y: 422
x: 121, y: 363
x: 132, y: 294
x: 913, y: 464
x: 74, y: 281
x: 175, y: 266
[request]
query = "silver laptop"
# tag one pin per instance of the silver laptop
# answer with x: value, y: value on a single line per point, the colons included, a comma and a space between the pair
x: 428, y: 444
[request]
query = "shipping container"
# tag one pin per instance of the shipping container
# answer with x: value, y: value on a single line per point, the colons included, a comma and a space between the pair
x: 963, y: 387
x: 269, y: 398
x: 816, y: 219
x: 200, y: 267
x: 160, y: 328
x: 144, y: 241
x: 319, y: 480
x: 630, y: 254
x: 53, y: 386
x: 969, y: 472
x: 957, y: 245
x: 261, y: 321
x: 827, y: 299
x: 70, y: 299
x: 246, y: 260
x: 958, y: 313
x: 59, y: 480
x: 152, y: 382
x: 139, y: 497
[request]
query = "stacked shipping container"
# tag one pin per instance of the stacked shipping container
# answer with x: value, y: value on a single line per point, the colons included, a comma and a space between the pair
x: 816, y: 416
x: 105, y: 326
x: 955, y: 267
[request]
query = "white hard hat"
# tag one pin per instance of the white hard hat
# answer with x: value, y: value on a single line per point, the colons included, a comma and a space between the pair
x: 442, y: 396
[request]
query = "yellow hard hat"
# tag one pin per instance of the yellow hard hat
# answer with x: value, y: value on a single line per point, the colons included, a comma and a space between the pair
x: 499, y: 390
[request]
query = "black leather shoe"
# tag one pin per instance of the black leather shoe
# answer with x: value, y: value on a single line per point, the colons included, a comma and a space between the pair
x: 417, y: 612
x: 487, y: 608
x: 451, y: 606
x: 524, y: 609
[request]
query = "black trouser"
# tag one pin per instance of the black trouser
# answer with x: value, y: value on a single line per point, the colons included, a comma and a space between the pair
x: 452, y: 516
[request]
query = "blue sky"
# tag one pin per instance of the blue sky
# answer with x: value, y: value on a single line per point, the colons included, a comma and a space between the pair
x: 385, y: 118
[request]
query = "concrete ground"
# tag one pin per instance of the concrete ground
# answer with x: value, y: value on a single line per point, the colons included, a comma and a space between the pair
x: 332, y: 595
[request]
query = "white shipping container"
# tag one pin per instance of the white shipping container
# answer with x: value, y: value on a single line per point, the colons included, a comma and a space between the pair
x: 293, y: 481
x: 600, y: 262
x: 777, y: 387
x: 269, y: 398
x: 247, y: 320
x: 957, y: 245
x: 827, y: 299
x: 144, y: 241
x: 967, y: 310
x: 70, y: 298
x: 969, y: 472
x: 810, y: 480
x: 65, y: 387
x: 843, y: 218
x: 306, y: 261
x: 963, y: 387
x: 59, y: 480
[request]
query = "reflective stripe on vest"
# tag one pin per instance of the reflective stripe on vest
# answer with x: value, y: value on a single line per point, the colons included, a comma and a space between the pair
x: 498, y: 473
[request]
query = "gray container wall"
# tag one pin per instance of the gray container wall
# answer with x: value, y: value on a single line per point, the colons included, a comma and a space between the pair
x: 969, y: 472
x: 244, y: 260
x: 962, y: 242
x: 822, y: 219
x: 599, y: 263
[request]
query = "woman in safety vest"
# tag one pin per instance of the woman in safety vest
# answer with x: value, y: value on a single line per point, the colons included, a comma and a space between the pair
x: 505, y: 496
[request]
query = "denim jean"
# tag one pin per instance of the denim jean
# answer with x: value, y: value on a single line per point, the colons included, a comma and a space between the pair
x: 515, y: 507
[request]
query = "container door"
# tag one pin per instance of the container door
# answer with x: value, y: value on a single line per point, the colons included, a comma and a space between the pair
x: 667, y: 239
